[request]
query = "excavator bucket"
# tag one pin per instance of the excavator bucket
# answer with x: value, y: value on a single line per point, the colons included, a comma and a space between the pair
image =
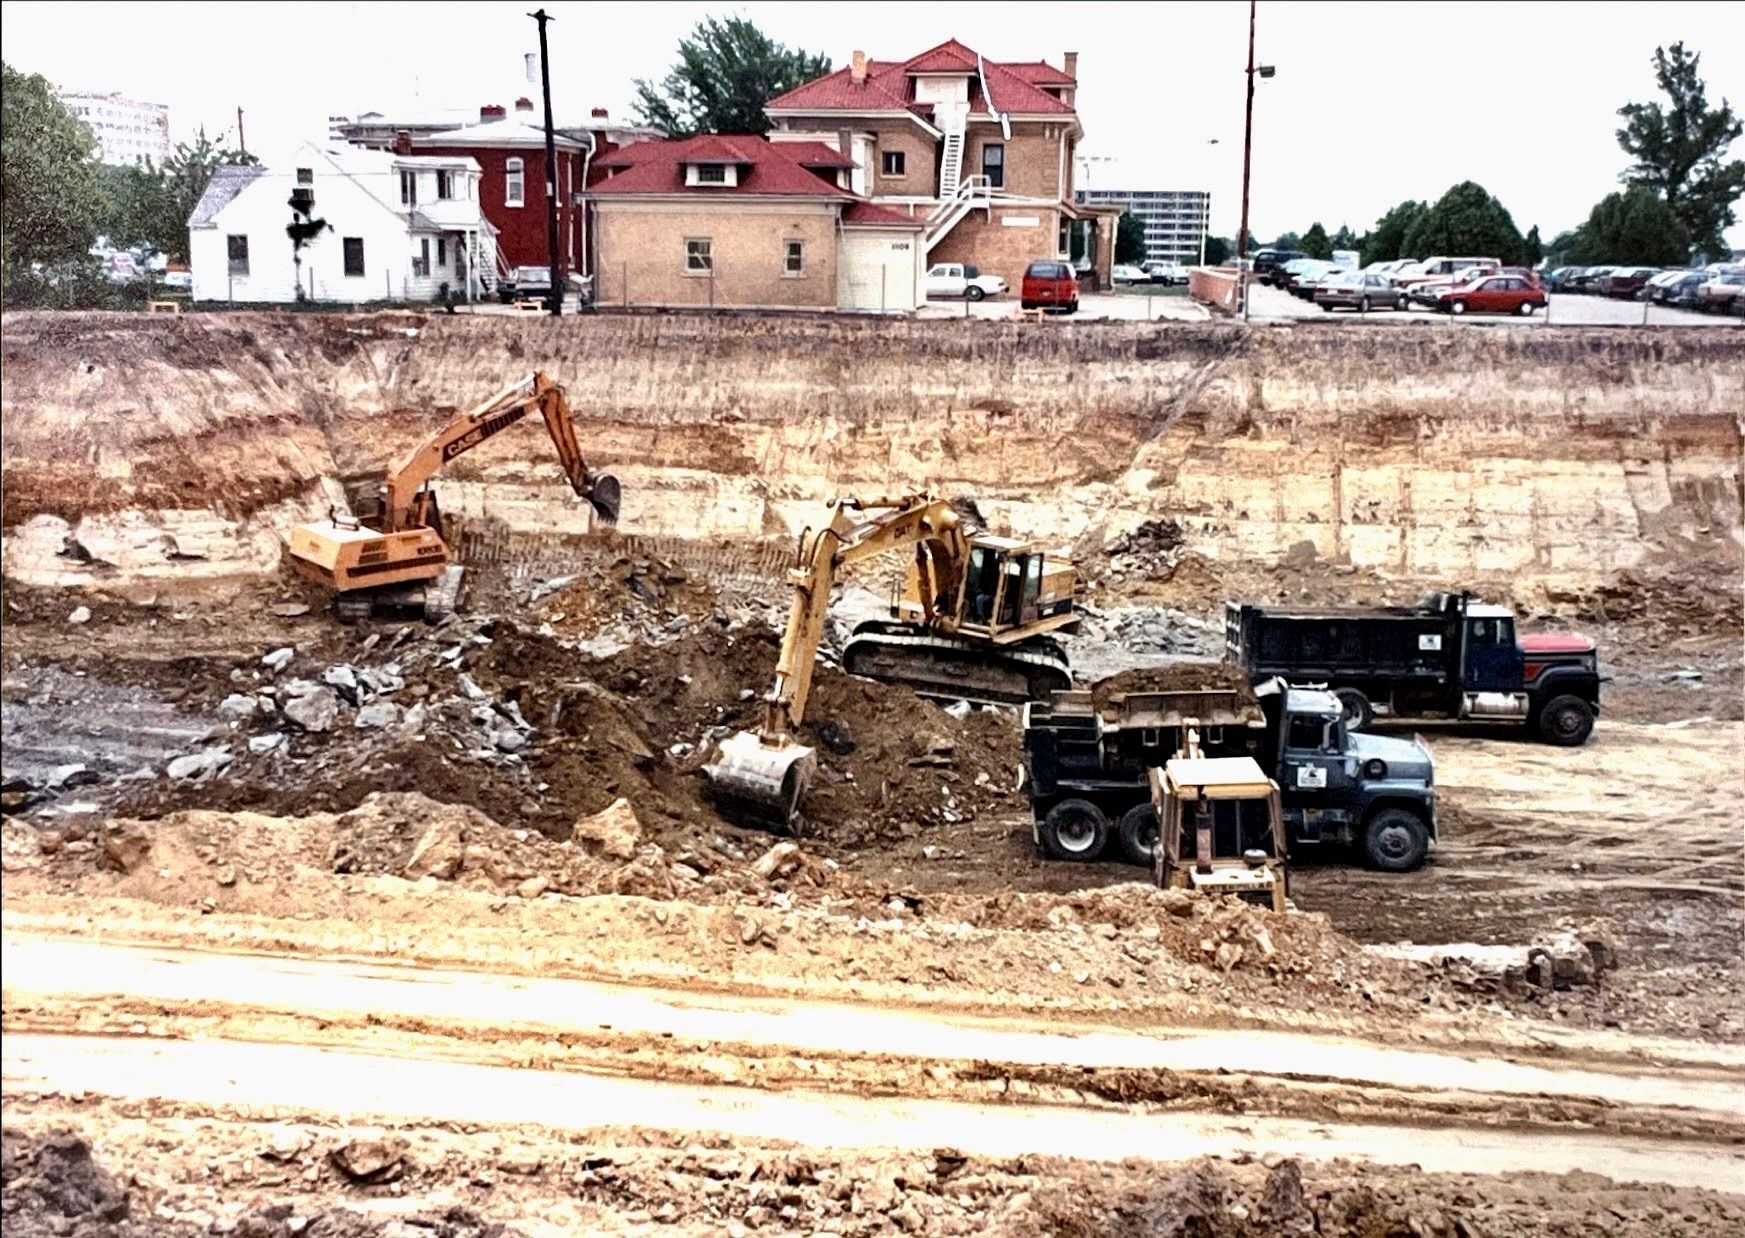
x: 603, y: 495
x: 762, y: 781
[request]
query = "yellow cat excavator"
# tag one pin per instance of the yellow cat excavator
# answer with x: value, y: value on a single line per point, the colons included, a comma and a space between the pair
x: 394, y: 555
x: 974, y: 621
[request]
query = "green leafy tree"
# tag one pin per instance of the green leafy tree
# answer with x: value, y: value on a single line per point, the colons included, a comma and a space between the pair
x: 1680, y: 150
x: 726, y: 72
x: 150, y: 205
x: 1218, y: 250
x: 1468, y: 222
x: 49, y: 201
x: 1130, y: 239
x: 1387, y: 240
x: 1345, y: 238
x: 1315, y: 242
x: 1288, y: 240
x: 1636, y: 227
x: 1533, y: 249
x: 1562, y: 246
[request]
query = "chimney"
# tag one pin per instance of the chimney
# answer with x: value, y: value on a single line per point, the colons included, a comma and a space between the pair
x: 600, y: 113
x: 524, y: 104
x: 857, y: 68
x: 403, y: 142
x: 1071, y: 65
x: 490, y: 112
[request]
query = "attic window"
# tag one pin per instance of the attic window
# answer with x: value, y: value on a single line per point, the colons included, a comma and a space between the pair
x: 305, y: 176
x: 711, y: 174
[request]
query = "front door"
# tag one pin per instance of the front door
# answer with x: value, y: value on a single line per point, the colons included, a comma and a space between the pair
x: 1493, y: 660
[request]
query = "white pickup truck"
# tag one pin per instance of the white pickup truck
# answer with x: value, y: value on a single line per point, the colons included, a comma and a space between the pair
x: 954, y: 279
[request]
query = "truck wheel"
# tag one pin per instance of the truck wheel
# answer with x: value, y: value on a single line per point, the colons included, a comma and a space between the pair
x: 974, y: 292
x: 1395, y: 841
x: 1138, y: 834
x: 1566, y: 721
x: 1358, y: 713
x: 1074, y: 830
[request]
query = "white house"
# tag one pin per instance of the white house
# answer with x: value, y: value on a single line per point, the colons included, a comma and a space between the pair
x: 377, y: 226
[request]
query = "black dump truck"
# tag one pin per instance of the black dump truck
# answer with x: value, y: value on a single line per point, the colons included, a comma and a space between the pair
x: 1087, y: 753
x: 1450, y: 657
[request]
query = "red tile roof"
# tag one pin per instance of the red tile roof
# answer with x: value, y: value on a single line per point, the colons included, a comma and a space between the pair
x: 764, y: 168
x: 867, y: 214
x: 1039, y: 73
x: 816, y: 155
x: 889, y: 85
x: 950, y: 56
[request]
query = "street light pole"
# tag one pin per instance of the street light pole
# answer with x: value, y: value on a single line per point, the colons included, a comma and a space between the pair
x: 1247, y: 158
x: 552, y: 180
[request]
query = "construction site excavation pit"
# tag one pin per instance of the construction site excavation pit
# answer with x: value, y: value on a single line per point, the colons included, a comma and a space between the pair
x: 236, y: 828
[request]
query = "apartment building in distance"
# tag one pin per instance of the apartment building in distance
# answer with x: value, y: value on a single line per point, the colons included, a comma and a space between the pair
x: 128, y: 131
x: 980, y: 151
x: 1175, y: 219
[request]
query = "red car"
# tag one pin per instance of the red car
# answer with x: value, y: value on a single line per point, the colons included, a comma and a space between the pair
x: 1493, y: 294
x: 1049, y: 284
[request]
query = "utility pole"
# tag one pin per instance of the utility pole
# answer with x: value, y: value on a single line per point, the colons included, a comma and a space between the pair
x: 241, y: 142
x: 552, y: 179
x: 1247, y: 157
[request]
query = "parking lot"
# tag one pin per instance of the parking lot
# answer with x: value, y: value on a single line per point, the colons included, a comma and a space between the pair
x: 1274, y: 304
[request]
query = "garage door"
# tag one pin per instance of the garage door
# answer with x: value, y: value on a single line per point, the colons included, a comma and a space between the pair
x: 880, y: 270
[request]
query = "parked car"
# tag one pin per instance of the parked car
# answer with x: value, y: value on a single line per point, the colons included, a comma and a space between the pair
x: 1657, y: 281
x: 177, y: 281
x: 1624, y: 282
x: 1167, y: 273
x: 1305, y: 277
x: 958, y: 280
x: 1123, y: 274
x: 1590, y: 280
x: 1723, y: 294
x: 1362, y: 291
x: 525, y: 284
x: 1049, y: 284
x: 1268, y: 262
x: 1439, y: 268
x: 1492, y: 294
x: 1561, y: 279
x: 1680, y: 291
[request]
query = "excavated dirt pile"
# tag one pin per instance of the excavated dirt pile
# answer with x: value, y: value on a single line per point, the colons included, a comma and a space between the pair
x: 1181, y: 677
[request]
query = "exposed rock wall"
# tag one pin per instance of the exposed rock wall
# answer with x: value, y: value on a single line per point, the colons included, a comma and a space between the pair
x: 1432, y: 452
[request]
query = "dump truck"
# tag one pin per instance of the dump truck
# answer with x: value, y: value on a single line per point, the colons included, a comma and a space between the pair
x: 1088, y: 754
x: 1449, y: 658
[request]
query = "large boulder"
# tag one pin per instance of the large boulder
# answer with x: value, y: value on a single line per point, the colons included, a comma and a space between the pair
x: 613, y: 832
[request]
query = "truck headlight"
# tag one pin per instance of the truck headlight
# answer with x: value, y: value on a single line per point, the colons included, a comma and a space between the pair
x: 1375, y: 767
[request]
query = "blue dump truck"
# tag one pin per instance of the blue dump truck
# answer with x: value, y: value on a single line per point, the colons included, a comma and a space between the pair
x: 1087, y: 753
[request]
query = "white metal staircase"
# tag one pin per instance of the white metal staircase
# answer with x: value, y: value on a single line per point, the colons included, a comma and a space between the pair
x: 971, y: 192
x: 951, y: 163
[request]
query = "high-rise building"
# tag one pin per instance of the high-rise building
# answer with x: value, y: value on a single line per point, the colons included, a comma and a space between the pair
x: 127, y: 130
x: 1175, y: 219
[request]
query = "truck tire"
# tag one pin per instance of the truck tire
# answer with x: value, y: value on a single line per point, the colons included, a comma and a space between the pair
x: 1137, y: 833
x: 1074, y: 830
x: 974, y: 292
x: 1566, y: 721
x: 1395, y: 840
x: 1358, y: 711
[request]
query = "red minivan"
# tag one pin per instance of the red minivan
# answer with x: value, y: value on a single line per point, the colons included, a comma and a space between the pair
x: 1049, y: 284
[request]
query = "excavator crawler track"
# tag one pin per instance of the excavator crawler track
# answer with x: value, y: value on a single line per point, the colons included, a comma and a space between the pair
x: 950, y: 668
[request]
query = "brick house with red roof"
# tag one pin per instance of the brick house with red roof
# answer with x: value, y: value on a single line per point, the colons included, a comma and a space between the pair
x: 736, y: 221
x: 981, y: 151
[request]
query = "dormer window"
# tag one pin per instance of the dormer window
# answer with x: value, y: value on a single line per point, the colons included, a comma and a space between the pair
x: 712, y: 174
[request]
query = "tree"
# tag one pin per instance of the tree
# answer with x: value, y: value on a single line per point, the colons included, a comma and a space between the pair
x: 1636, y: 227
x: 1679, y: 150
x: 1387, y: 240
x: 1288, y: 240
x: 1218, y: 250
x: 48, y: 175
x: 1466, y: 222
x: 150, y: 205
x: 1315, y: 242
x: 1562, y: 246
x: 1533, y: 248
x: 1130, y: 239
x: 1345, y: 238
x: 727, y: 71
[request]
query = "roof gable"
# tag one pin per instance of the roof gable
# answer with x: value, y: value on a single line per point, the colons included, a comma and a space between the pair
x: 227, y: 181
x: 890, y: 85
x: 766, y: 167
x: 949, y: 57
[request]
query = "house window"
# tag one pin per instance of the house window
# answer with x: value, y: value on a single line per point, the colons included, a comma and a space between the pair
x: 354, y: 255
x: 514, y: 183
x: 711, y: 174
x: 444, y: 185
x: 894, y: 163
x: 302, y: 199
x: 305, y: 176
x: 795, y: 262
x: 420, y: 264
x: 408, y: 189
x: 699, y: 256
x: 238, y: 247
x: 441, y: 251
x: 994, y: 164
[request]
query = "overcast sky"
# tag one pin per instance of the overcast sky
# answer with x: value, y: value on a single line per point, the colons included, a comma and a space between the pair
x: 1521, y: 97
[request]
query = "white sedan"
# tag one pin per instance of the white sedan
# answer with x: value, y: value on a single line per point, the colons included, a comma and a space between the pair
x: 954, y: 279
x: 1128, y: 275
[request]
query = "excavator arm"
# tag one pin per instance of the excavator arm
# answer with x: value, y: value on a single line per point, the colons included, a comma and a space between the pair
x: 495, y: 415
x: 767, y: 770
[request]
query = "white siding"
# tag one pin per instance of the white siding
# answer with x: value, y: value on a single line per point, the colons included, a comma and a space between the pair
x: 880, y: 270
